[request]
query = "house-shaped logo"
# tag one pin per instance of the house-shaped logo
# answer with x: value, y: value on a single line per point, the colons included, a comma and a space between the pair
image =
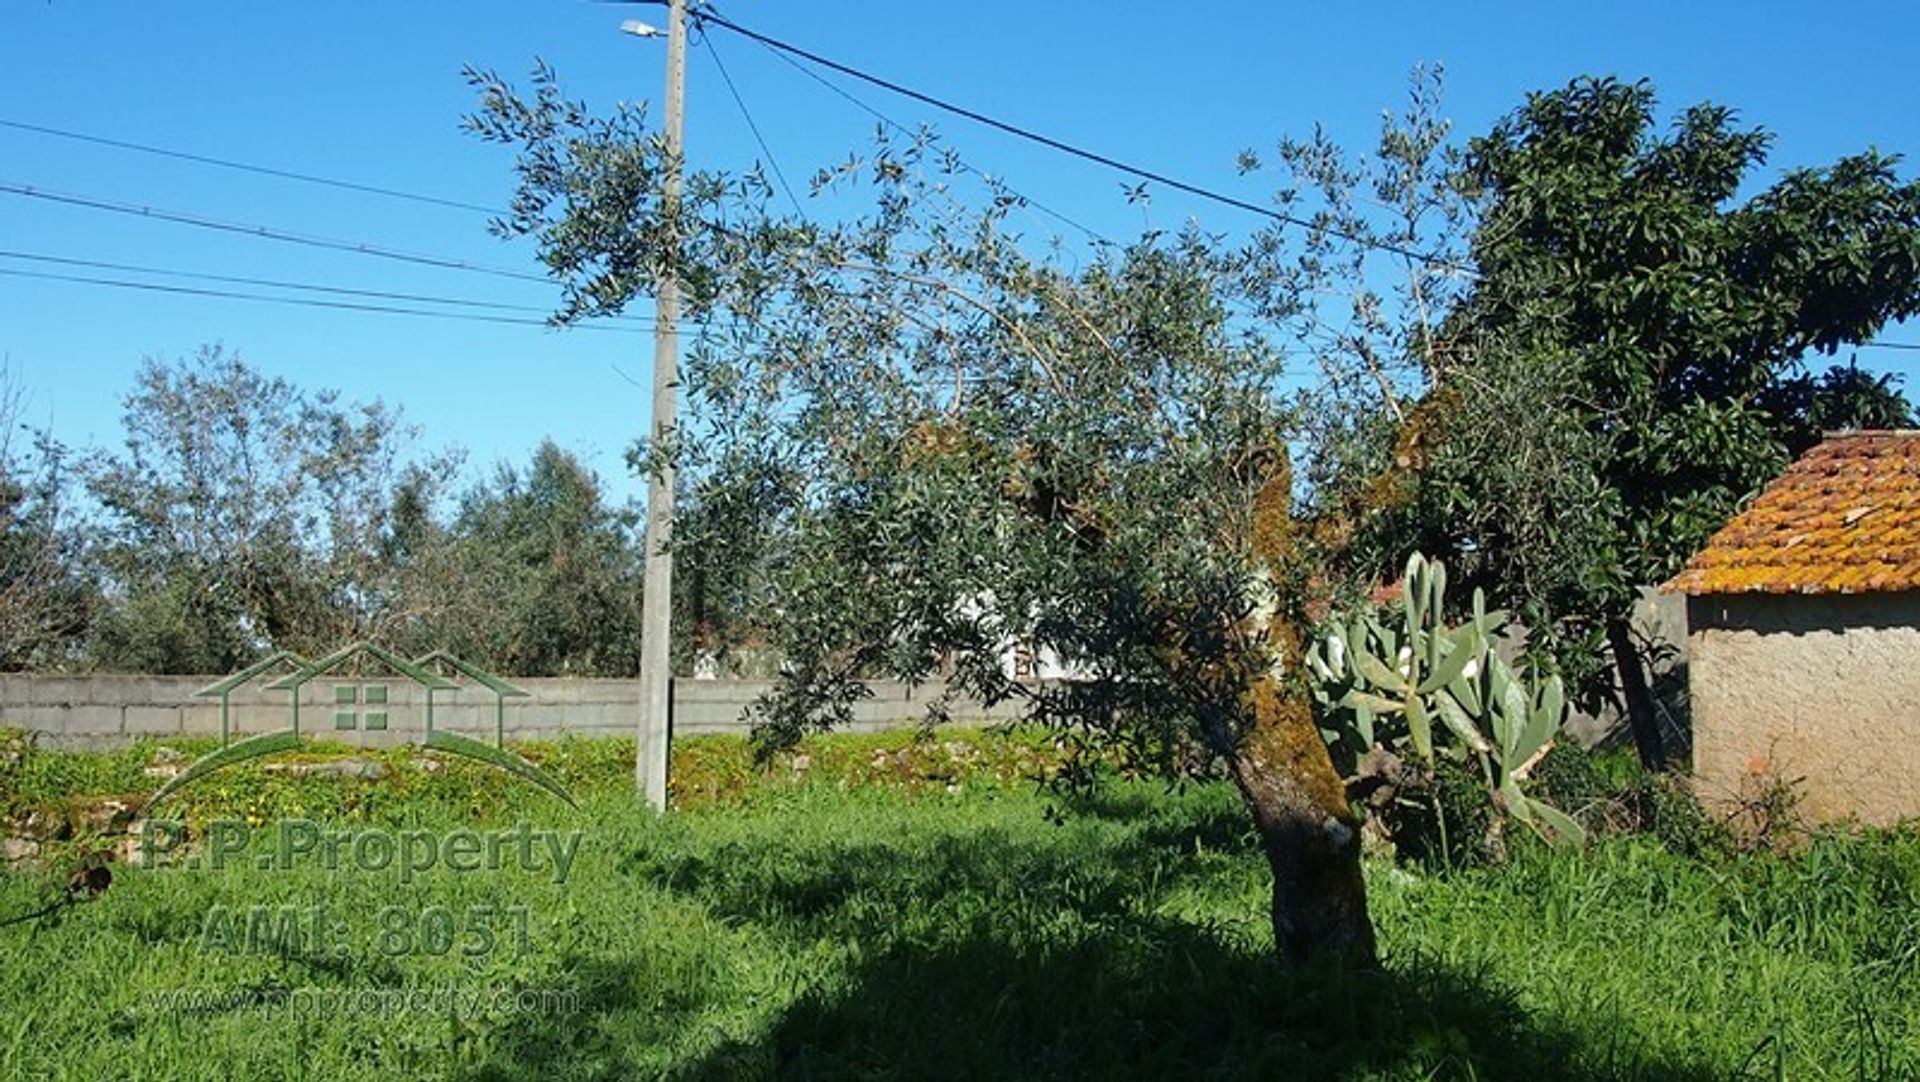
x: 371, y: 690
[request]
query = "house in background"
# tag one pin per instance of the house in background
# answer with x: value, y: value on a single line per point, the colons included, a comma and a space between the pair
x: 1804, y: 635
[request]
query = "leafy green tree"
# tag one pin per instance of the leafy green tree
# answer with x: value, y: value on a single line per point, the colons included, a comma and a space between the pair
x: 242, y: 514
x: 245, y: 514
x: 535, y: 575
x: 730, y: 541
x: 950, y: 443
x: 1841, y: 399
x: 1621, y: 374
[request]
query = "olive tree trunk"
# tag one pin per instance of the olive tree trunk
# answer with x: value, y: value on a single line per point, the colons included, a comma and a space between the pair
x: 1311, y: 838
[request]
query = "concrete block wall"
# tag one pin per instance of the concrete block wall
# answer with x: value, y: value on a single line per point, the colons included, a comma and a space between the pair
x: 97, y: 711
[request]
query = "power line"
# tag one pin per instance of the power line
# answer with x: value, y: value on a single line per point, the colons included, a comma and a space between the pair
x: 267, y: 232
x: 377, y: 294
x: 897, y: 126
x: 263, y: 170
x: 307, y: 302
x: 779, y: 175
x: 707, y: 15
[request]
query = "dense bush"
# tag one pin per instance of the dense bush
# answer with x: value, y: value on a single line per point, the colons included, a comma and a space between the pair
x: 1446, y: 818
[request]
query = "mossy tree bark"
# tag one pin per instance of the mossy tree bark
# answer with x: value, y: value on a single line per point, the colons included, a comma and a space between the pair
x: 1307, y: 830
x: 1282, y: 767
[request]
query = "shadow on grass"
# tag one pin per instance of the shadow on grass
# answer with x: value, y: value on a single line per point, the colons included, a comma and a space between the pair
x: 984, y: 955
x: 1168, y: 1003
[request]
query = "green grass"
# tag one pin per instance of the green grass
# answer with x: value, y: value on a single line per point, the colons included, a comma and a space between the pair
x: 919, y: 911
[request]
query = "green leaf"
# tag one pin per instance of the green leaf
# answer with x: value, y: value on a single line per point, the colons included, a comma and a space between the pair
x: 1559, y: 827
x: 1513, y: 707
x: 1374, y: 670
x: 1543, y: 721
x: 1553, y: 698
x: 1367, y: 700
x: 1454, y: 664
x: 1318, y: 667
x: 1462, y: 725
x: 1420, y: 729
x: 1516, y: 800
x: 1466, y: 691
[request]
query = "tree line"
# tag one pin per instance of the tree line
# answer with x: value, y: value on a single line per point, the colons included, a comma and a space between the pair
x: 242, y: 513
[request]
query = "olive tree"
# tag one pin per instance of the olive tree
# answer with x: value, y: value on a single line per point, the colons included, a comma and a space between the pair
x: 942, y: 436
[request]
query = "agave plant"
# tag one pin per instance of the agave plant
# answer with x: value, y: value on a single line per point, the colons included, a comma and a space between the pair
x: 1421, y: 687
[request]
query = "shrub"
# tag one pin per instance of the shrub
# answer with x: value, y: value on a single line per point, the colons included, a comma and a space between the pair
x: 1611, y: 794
x: 1442, y: 818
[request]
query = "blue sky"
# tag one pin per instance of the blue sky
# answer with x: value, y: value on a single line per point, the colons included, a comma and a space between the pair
x: 371, y: 92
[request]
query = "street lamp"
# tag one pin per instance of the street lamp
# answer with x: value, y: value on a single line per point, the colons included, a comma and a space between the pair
x: 656, y: 598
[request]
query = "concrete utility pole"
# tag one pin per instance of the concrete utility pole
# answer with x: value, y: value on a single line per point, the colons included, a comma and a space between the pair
x: 656, y: 601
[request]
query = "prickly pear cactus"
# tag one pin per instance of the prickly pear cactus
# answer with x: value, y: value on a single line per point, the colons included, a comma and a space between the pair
x: 1421, y: 687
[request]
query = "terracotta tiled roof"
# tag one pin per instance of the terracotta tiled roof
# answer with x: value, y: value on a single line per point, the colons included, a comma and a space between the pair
x: 1844, y: 519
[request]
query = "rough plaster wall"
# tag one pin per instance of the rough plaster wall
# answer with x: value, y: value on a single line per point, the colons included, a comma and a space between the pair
x: 1820, y: 687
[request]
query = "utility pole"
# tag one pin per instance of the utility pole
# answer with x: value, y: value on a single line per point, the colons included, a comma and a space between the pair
x: 656, y: 599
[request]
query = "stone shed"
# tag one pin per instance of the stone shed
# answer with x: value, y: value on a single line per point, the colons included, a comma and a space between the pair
x: 1804, y: 635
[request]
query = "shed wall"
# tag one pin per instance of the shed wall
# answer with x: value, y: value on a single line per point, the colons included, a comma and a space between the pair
x: 1824, y: 688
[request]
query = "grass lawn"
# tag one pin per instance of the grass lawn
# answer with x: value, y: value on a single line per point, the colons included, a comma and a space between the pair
x: 874, y: 915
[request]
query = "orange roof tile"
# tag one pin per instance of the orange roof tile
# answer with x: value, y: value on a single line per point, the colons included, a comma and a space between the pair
x: 1843, y: 519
